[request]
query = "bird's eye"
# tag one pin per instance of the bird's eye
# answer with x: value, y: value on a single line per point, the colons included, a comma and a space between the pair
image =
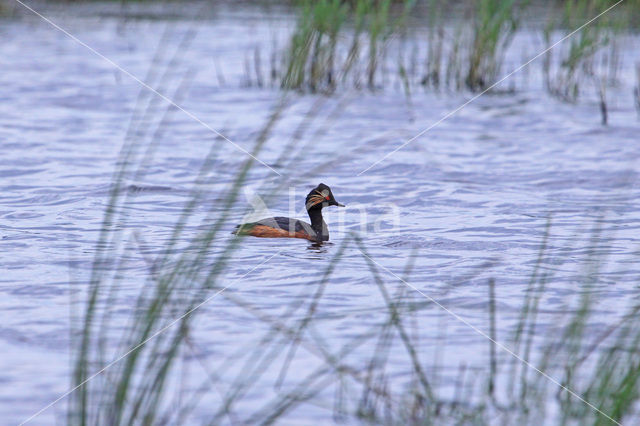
x: 327, y: 198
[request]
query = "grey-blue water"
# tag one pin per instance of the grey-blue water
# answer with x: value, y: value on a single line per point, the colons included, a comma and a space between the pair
x: 471, y: 199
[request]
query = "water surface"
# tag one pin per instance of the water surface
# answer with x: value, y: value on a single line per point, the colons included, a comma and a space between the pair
x: 471, y: 199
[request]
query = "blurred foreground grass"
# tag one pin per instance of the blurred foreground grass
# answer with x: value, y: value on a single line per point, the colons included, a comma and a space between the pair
x: 572, y: 373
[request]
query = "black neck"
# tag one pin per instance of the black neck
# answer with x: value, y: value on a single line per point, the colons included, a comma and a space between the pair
x: 316, y: 220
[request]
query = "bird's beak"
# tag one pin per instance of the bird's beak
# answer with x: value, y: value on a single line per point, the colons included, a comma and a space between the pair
x: 340, y: 205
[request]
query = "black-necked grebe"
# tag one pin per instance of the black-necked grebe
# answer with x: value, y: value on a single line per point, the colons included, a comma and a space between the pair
x: 285, y: 227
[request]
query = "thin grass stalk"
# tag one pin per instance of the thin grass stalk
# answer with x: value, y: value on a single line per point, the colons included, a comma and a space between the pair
x: 256, y: 368
x: 152, y: 315
x: 213, y: 274
x: 492, y: 334
x: 313, y: 306
x: 380, y: 354
x: 398, y: 324
x: 529, y: 307
x: 495, y: 24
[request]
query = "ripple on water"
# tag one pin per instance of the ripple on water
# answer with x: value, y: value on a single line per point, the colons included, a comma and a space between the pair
x: 472, y: 198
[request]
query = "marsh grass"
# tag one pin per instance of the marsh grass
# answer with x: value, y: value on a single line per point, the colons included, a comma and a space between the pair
x: 315, y: 59
x: 132, y: 389
x: 473, y: 61
x: 311, y: 56
x: 358, y: 379
x: 377, y: 44
x: 578, y: 59
x: 495, y: 24
x: 602, y: 366
x: 636, y: 90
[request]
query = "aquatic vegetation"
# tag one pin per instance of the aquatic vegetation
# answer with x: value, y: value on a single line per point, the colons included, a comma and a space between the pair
x: 314, y: 60
x: 149, y: 355
x: 347, y: 43
x: 636, y: 90
x: 495, y: 24
x: 590, y: 58
x: 435, y: 45
x: 132, y: 371
x: 311, y: 56
x: 133, y: 388
x: 598, y: 369
x: 578, y: 56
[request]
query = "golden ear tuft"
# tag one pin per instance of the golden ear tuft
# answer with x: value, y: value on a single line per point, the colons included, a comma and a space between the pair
x: 314, y: 200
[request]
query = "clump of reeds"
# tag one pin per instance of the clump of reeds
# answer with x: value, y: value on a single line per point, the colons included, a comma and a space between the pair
x: 495, y: 23
x: 311, y: 59
x: 347, y: 43
x: 435, y: 45
x: 312, y: 52
x: 123, y: 371
x: 314, y: 59
x: 576, y: 62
